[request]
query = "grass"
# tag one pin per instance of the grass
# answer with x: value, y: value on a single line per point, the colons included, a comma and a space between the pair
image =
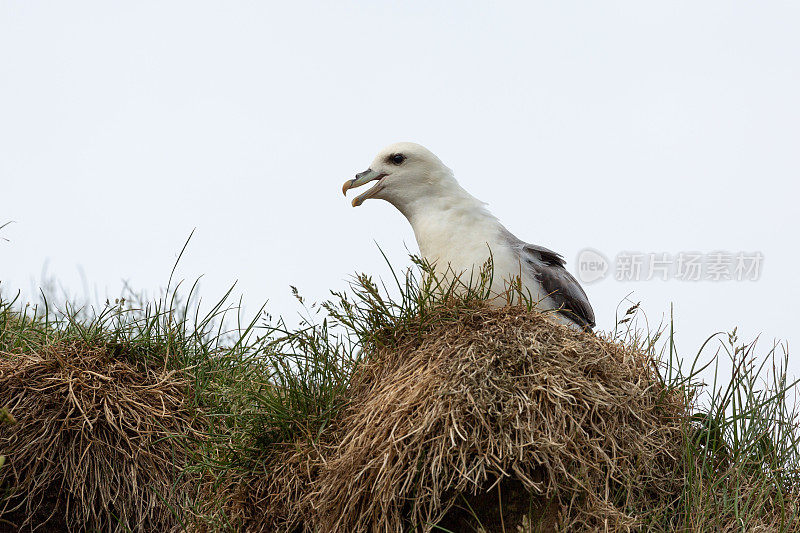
x: 263, y: 412
x: 740, y: 441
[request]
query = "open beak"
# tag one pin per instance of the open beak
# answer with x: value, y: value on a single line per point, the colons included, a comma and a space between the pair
x: 363, y: 178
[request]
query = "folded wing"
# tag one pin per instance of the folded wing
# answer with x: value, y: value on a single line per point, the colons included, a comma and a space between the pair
x: 547, y: 267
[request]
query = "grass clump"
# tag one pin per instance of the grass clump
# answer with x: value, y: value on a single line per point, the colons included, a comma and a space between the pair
x: 741, y: 453
x: 104, y: 402
x: 500, y: 396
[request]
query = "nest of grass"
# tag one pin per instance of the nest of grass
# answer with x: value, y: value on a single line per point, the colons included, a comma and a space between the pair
x: 94, y: 444
x: 463, y: 406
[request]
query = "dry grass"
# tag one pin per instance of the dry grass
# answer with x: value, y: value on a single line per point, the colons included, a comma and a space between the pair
x: 94, y: 445
x: 496, y: 395
x: 471, y: 418
x: 427, y: 412
x: 501, y: 394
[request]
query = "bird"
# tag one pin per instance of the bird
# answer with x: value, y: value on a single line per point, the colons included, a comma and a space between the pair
x: 457, y: 234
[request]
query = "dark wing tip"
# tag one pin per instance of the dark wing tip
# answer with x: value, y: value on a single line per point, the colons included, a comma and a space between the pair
x: 561, y: 287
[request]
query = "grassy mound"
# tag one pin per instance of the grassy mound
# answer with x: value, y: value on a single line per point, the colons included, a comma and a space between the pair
x: 95, y: 444
x: 425, y: 411
x: 97, y: 429
x: 495, y: 395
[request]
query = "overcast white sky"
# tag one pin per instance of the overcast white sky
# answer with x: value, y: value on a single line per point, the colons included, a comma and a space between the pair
x: 620, y: 126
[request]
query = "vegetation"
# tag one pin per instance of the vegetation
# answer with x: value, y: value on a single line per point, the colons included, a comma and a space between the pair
x: 426, y: 410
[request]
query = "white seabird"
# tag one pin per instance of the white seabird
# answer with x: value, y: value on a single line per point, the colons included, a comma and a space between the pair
x: 456, y: 233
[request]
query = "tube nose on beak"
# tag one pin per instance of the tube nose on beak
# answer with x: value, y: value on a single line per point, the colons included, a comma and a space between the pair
x: 366, y: 174
x: 361, y: 179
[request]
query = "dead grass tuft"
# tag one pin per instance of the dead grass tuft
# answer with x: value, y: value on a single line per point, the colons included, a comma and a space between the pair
x: 94, y: 447
x: 453, y: 408
x: 500, y: 394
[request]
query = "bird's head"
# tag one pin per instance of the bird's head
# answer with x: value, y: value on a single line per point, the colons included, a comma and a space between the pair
x: 404, y: 172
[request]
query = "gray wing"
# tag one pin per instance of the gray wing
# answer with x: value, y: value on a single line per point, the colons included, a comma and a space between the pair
x: 547, y: 267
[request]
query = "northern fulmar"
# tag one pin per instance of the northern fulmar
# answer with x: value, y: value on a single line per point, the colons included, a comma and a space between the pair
x: 456, y: 233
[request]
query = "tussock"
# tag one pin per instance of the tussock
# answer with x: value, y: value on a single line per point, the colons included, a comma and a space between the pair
x: 500, y: 394
x: 453, y: 407
x: 94, y: 445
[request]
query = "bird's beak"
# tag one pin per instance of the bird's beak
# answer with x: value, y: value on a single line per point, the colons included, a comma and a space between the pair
x: 361, y: 179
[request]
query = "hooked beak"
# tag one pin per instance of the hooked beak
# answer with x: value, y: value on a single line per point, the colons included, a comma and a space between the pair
x: 363, y: 178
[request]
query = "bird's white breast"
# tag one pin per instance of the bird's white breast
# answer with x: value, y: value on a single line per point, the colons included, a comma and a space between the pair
x: 460, y: 235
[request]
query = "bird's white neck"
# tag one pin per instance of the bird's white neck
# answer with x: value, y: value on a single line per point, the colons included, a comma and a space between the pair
x: 452, y: 227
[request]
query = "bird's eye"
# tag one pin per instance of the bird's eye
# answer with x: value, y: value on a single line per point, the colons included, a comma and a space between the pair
x: 397, y: 158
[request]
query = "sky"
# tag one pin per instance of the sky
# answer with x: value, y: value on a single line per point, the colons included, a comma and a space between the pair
x: 627, y: 128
